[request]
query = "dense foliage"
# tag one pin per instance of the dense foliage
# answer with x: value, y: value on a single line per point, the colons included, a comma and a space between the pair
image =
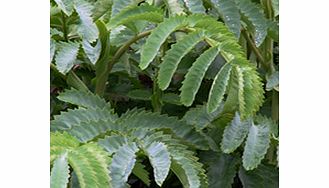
x: 164, y: 93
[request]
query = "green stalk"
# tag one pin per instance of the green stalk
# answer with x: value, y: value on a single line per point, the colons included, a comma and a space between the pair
x: 76, y: 82
x: 101, y: 83
x: 64, y: 27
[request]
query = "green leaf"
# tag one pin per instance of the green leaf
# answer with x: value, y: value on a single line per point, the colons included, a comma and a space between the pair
x: 262, y: 177
x: 140, y: 94
x: 256, y: 15
x: 230, y: 13
x: 90, y: 164
x: 60, y: 143
x: 87, y: 28
x: 74, y: 81
x: 222, y: 171
x: 273, y: 82
x: 218, y: 87
x: 153, y: 121
x: 113, y: 143
x: 199, y: 116
x: 190, y: 172
x: 253, y: 90
x: 66, y: 56
x: 119, y: 5
x: 141, y: 173
x: 52, y: 49
x: 101, y: 7
x: 195, y: 6
x: 159, y: 159
x: 83, y: 99
x: 92, y: 53
x: 175, y: 7
x: 122, y: 164
x: 174, y: 56
x: 235, y: 133
x: 157, y: 38
x: 60, y: 172
x: 71, y: 118
x: 171, y: 98
x: 66, y: 6
x: 195, y: 74
x: 239, y: 76
x: 257, y: 143
x: 275, y: 5
x: 134, y: 13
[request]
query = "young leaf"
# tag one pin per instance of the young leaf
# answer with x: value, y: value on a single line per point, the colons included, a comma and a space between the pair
x: 157, y: 38
x: 60, y: 143
x: 195, y: 74
x: 218, y: 87
x: 235, y: 133
x: 230, y: 13
x: 256, y: 146
x: 87, y: 28
x: 66, y: 56
x: 90, y: 164
x: 174, y: 56
x: 60, y: 172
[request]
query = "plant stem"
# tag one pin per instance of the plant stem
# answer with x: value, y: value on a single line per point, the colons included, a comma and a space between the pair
x: 275, y: 105
x: 253, y: 47
x: 101, y: 85
x: 64, y: 27
x: 76, y: 82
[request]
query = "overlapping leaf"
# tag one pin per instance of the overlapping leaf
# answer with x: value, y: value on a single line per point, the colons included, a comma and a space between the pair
x: 156, y: 39
x: 234, y: 134
x: 174, y: 56
x: 87, y: 28
x: 257, y: 144
x: 230, y: 13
